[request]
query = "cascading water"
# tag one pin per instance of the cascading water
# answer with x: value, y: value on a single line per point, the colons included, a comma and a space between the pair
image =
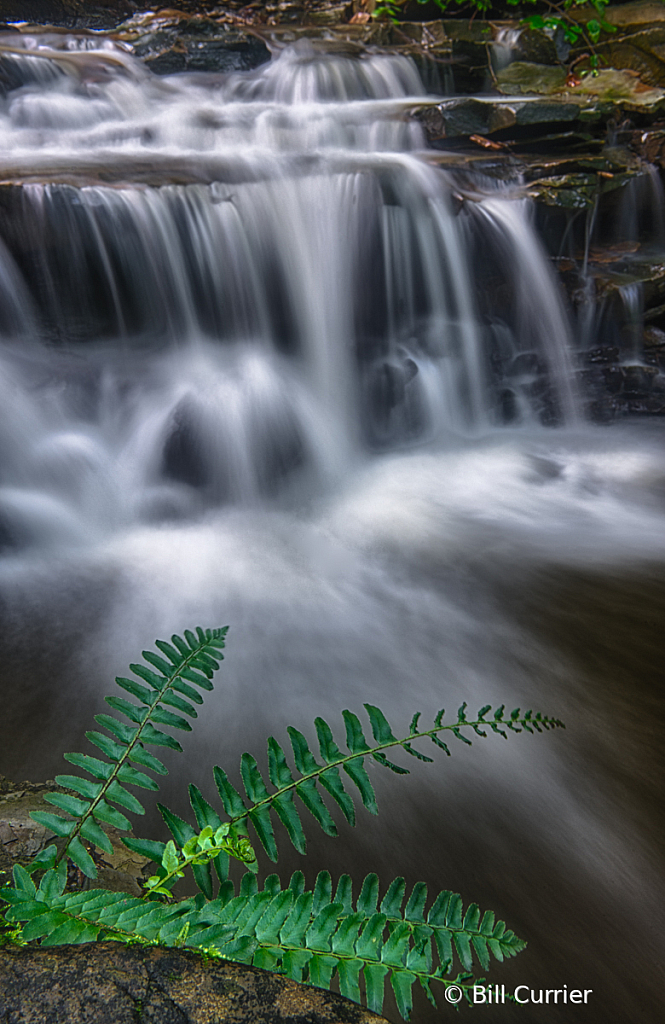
x: 264, y: 364
x: 316, y: 299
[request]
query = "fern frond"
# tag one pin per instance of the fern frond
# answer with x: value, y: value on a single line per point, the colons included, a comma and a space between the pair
x: 310, y: 936
x: 193, y: 660
x: 277, y: 793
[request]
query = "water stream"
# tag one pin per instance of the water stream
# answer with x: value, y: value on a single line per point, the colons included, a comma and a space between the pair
x: 264, y: 365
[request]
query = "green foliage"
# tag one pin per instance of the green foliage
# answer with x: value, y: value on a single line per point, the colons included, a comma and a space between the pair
x: 309, y: 935
x: 191, y: 660
x: 555, y: 16
x: 332, y: 773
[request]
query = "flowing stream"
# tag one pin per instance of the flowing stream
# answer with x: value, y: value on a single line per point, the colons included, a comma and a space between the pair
x: 263, y: 364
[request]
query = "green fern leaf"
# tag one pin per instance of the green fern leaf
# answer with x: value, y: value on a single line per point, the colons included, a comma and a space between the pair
x: 126, y: 743
x: 375, y: 976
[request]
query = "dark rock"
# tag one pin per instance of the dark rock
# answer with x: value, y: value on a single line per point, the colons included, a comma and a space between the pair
x: 654, y: 347
x: 110, y: 983
x: 69, y: 13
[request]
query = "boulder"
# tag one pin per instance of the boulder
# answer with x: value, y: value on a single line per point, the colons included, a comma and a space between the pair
x: 112, y: 983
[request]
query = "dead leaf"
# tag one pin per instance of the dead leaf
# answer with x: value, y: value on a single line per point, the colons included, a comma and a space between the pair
x: 480, y: 140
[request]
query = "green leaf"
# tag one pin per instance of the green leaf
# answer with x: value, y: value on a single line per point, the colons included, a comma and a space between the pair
x: 122, y: 732
x: 375, y: 975
x: 156, y: 738
x: 260, y: 819
x: 175, y: 654
x: 43, y: 925
x: 230, y: 797
x: 72, y: 932
x: 23, y: 881
x: 195, y: 677
x: 293, y: 932
x: 162, y: 666
x: 312, y: 800
x: 125, y: 707
x: 274, y: 918
x: 416, y: 905
x: 330, y: 752
x: 279, y: 772
x: 416, y: 753
x: 98, y: 769
x: 294, y: 962
x: 148, y: 848
x: 82, y: 786
x: 84, y: 862
x: 369, y: 894
x: 370, y: 942
x: 355, y: 769
x: 94, y: 834
x: 174, y: 701
x: 139, y: 755
x: 344, y: 893
x: 344, y: 939
x: 380, y: 726
x: 164, y: 717
x: 180, y: 830
x: 104, y: 812
x: 305, y: 761
x: 116, y: 751
x: 285, y: 807
x: 348, y: 972
x: 322, y: 892
x: 67, y: 803
x: 187, y: 691
x: 148, y: 676
x: 131, y: 686
x: 321, y: 970
x: 53, y: 822
x: 402, y: 984
x: 53, y: 882
x: 355, y: 739
x: 44, y: 860
x: 131, y: 777
x: 330, y: 780
x: 118, y: 795
x: 395, y: 948
x: 391, y: 905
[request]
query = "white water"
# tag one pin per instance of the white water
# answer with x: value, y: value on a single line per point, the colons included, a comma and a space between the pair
x: 256, y: 365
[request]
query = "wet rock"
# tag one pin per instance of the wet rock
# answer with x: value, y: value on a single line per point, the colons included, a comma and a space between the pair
x: 526, y: 78
x: 654, y: 347
x: 170, y: 41
x: 610, y: 88
x: 111, y: 983
x: 21, y: 839
x: 69, y: 13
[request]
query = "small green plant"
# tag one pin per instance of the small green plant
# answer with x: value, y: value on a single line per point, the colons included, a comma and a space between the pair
x: 553, y: 16
x: 309, y: 935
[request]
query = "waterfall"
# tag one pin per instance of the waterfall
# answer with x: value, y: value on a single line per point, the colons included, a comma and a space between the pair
x: 251, y: 279
x: 264, y: 363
